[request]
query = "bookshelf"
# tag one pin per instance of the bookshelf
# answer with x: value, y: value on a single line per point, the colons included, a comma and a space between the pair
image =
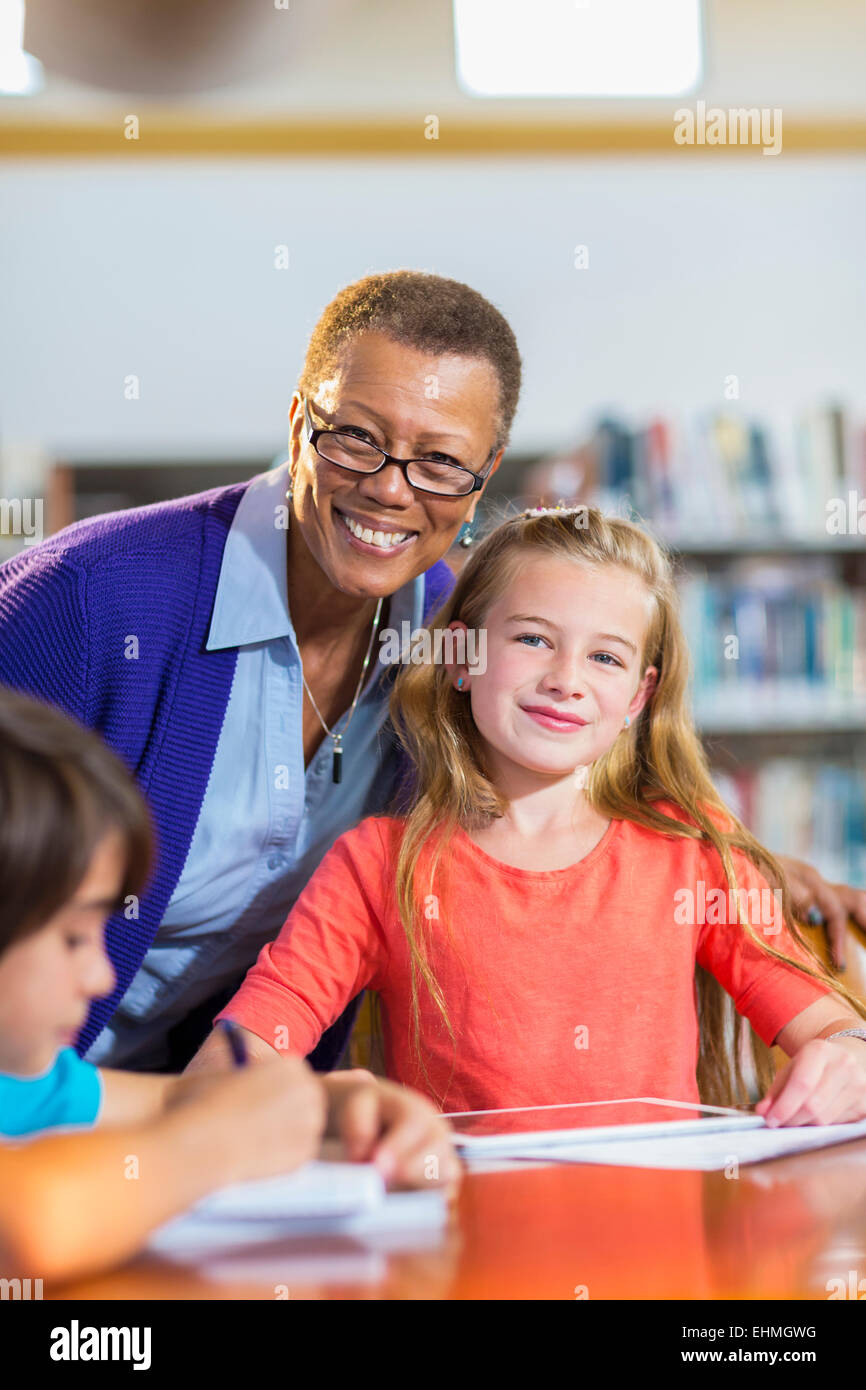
x: 87, y: 487
x: 72, y: 490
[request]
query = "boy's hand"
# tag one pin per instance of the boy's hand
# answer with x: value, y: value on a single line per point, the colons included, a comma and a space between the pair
x: 266, y: 1119
x: 825, y: 1084
x: 392, y: 1126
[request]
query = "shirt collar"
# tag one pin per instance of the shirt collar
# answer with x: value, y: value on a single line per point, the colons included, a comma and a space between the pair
x: 251, y: 603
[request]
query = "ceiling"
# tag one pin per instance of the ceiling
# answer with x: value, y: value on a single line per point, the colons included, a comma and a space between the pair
x: 394, y: 59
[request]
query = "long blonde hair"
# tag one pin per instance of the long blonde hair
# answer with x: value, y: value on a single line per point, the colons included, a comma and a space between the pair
x: 660, y: 757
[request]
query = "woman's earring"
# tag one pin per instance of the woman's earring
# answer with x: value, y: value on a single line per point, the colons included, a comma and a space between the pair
x: 627, y: 721
x: 460, y: 683
x: 466, y: 535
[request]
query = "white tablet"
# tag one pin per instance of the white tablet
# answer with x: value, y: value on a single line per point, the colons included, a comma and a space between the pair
x: 549, y: 1126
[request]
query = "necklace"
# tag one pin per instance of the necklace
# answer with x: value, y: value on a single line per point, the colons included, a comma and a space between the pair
x: 337, y: 766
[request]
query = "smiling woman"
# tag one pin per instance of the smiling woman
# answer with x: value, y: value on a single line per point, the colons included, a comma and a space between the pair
x: 255, y: 639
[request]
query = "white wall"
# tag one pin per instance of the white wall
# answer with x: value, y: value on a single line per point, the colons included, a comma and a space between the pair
x: 698, y: 268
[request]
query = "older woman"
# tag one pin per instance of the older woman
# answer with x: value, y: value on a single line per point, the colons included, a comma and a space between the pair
x: 225, y: 644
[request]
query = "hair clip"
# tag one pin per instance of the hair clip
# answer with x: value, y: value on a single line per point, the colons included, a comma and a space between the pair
x: 550, y: 511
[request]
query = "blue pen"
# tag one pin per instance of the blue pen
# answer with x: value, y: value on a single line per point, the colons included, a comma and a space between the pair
x: 235, y: 1041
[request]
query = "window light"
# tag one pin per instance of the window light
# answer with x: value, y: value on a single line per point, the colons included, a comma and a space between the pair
x: 581, y: 48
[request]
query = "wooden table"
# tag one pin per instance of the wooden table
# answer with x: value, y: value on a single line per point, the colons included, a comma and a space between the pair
x: 779, y: 1230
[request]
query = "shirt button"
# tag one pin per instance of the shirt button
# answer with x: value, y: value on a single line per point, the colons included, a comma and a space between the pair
x: 276, y: 861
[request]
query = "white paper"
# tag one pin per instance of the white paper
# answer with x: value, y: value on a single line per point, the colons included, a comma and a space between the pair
x: 707, y: 1152
x: 315, y: 1189
x: 319, y: 1199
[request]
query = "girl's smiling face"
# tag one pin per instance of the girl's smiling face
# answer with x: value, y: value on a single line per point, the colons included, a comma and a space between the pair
x: 564, y: 647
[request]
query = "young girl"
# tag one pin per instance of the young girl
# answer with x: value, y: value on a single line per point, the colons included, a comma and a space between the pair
x: 567, y: 911
x: 75, y: 842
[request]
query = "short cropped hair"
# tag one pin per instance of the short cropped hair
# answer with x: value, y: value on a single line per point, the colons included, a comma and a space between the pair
x: 423, y: 311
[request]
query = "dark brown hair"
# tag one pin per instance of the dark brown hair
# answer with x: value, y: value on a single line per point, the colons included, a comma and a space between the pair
x: 62, y: 790
x: 422, y: 311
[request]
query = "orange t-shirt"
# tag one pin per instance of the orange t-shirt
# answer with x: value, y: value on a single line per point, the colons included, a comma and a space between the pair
x: 561, y: 985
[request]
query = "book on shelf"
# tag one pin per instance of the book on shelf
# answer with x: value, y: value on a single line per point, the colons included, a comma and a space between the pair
x: 804, y: 807
x: 719, y: 476
x: 781, y: 637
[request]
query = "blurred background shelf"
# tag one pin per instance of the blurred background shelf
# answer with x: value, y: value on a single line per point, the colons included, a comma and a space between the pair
x: 719, y: 719
x: 766, y: 545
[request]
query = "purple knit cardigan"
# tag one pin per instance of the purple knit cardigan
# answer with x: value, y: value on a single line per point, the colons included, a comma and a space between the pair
x: 67, y: 607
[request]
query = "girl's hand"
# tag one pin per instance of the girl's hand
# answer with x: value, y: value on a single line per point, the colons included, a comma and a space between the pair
x: 392, y: 1126
x: 825, y: 1084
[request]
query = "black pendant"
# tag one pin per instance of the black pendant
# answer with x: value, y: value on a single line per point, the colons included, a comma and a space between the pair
x: 337, y: 769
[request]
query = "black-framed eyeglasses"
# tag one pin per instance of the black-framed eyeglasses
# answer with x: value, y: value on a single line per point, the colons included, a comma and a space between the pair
x: 362, y: 456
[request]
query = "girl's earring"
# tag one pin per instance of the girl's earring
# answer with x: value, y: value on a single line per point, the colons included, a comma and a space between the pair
x: 460, y: 683
x: 466, y: 535
x: 627, y: 721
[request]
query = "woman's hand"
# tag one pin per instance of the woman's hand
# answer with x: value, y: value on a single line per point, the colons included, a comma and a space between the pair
x: 394, y: 1127
x: 825, y: 1084
x: 836, y: 902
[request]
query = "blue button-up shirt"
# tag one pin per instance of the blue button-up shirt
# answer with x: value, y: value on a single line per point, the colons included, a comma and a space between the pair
x: 265, y: 822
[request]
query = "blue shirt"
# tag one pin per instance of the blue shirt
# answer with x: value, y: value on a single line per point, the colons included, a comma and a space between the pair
x: 69, y: 1093
x: 265, y: 821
